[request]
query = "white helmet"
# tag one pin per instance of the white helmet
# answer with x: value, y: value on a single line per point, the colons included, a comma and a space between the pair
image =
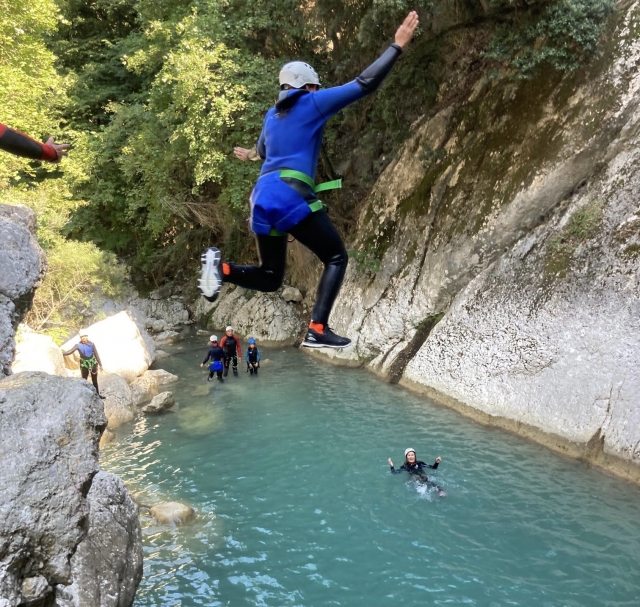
x: 213, y: 338
x: 229, y: 328
x: 83, y: 333
x: 409, y: 450
x: 297, y: 74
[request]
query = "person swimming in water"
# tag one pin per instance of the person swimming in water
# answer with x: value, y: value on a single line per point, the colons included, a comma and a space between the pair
x: 416, y: 469
x: 284, y: 199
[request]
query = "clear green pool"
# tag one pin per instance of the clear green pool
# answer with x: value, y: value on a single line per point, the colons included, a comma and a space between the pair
x: 296, y: 506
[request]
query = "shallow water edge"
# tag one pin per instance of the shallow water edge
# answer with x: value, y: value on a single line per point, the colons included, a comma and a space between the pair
x: 591, y: 453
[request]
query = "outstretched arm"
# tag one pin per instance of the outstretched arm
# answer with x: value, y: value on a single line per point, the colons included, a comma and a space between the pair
x: 434, y: 466
x: 257, y: 152
x: 70, y: 352
x: 331, y: 101
x: 17, y: 143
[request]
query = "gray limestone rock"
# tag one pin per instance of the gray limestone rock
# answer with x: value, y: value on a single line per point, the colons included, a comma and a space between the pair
x: 107, y: 567
x: 290, y: 294
x: 143, y: 388
x: 166, y: 337
x: 118, y: 404
x: 23, y: 267
x: 50, y: 428
x: 163, y: 401
x: 161, y: 376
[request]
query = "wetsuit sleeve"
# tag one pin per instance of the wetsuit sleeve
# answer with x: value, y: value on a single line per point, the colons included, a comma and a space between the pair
x: 19, y: 144
x: 208, y: 356
x: 330, y: 101
x: 394, y: 471
x: 222, y: 342
x: 258, y: 351
x: 70, y: 352
x: 238, y: 348
x: 434, y: 467
x: 95, y: 353
x: 246, y: 356
x: 261, y: 147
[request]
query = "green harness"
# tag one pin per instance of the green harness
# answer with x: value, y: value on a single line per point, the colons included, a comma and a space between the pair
x: 88, y: 363
x: 316, y: 205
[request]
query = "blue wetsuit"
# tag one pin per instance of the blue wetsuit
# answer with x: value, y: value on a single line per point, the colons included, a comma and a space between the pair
x: 291, y: 138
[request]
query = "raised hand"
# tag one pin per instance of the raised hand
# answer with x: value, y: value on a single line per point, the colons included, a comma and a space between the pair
x: 60, y: 148
x: 438, y: 459
x: 390, y: 462
x: 406, y: 30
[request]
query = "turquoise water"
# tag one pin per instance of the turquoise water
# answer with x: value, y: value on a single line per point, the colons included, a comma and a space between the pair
x: 296, y: 506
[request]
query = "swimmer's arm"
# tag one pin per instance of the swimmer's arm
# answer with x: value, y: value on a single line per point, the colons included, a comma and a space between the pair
x: 392, y: 469
x: 434, y: 466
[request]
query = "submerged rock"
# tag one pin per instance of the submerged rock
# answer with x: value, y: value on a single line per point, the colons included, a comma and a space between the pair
x: 173, y: 513
x: 166, y: 337
x: 163, y: 401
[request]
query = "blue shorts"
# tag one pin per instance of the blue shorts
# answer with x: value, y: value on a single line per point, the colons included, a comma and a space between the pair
x: 275, y: 204
x: 216, y: 365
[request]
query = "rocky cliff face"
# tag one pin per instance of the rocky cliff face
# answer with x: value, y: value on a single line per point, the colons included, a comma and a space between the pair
x: 54, y: 511
x: 512, y: 217
x: 22, y: 268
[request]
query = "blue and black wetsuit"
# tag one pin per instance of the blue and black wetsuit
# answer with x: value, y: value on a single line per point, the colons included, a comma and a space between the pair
x: 252, y: 356
x: 89, y: 361
x: 215, y: 354
x: 417, y: 470
x: 291, y: 138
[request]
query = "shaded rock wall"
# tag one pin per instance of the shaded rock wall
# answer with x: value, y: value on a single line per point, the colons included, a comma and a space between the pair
x: 513, y: 213
x: 22, y: 268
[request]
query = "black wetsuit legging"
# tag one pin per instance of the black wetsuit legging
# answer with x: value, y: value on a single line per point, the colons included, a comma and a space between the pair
x: 85, y: 372
x: 319, y: 235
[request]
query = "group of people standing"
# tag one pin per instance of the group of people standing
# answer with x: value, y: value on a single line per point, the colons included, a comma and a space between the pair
x: 226, y: 353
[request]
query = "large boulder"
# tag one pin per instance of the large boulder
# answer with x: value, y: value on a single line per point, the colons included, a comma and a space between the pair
x: 23, y: 267
x: 118, y: 403
x: 107, y: 567
x: 121, y: 344
x: 37, y: 352
x: 50, y: 428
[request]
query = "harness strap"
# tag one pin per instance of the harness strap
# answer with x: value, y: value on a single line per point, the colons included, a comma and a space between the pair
x: 321, y: 187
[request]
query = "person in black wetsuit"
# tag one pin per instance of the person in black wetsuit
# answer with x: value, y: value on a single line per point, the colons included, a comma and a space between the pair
x: 416, y: 468
x: 284, y: 199
x: 19, y: 144
x: 252, y: 357
x: 216, y: 355
x: 231, y: 346
x: 89, y: 359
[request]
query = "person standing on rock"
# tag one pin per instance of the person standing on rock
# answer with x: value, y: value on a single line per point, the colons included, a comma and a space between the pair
x: 17, y: 143
x: 284, y: 198
x: 89, y: 359
x: 231, y: 346
x: 252, y: 357
x: 216, y: 355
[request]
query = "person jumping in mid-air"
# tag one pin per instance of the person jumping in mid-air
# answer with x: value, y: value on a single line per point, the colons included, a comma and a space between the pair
x: 19, y: 144
x: 89, y: 359
x: 284, y: 197
x: 216, y: 355
x: 252, y: 356
x: 416, y: 468
x: 231, y: 346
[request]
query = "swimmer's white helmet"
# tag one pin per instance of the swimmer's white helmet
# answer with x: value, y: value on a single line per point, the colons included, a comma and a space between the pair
x: 213, y: 338
x: 229, y: 328
x: 297, y: 74
x: 409, y: 450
